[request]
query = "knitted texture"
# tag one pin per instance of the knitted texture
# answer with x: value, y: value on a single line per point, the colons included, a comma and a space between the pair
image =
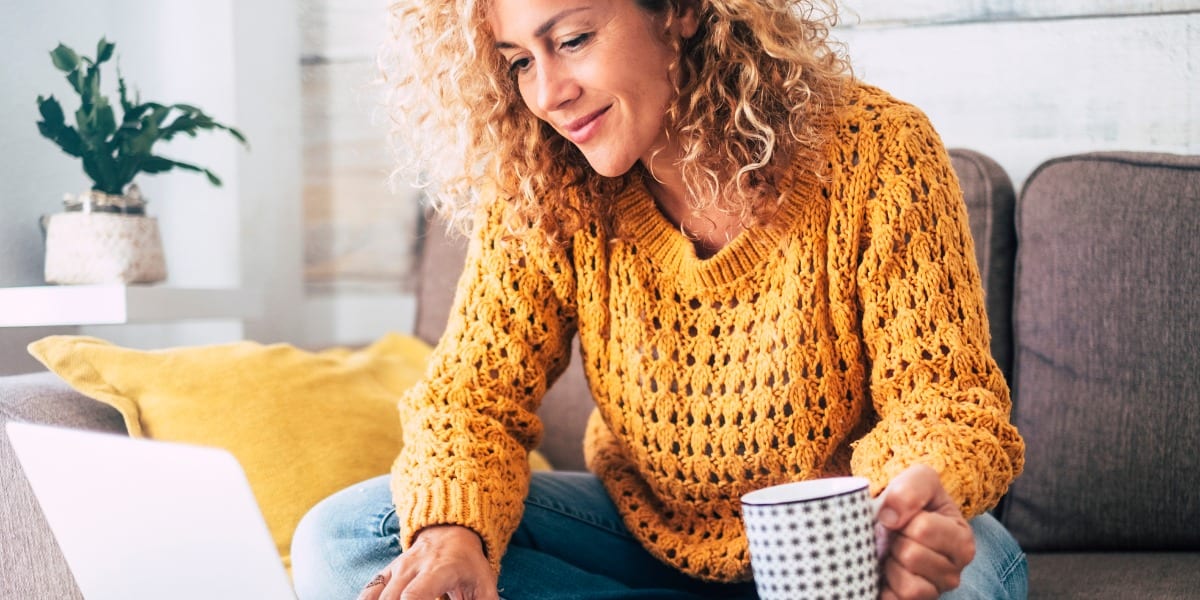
x: 849, y: 338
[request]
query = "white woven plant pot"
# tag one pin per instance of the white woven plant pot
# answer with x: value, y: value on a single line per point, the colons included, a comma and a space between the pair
x: 94, y: 247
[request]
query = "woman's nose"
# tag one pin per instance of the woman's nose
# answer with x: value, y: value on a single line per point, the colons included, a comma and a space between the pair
x: 556, y: 86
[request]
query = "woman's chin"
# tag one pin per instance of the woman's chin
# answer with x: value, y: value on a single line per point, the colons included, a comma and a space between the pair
x: 608, y: 168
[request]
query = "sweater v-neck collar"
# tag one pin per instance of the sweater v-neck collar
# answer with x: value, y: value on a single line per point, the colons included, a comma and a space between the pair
x: 641, y: 222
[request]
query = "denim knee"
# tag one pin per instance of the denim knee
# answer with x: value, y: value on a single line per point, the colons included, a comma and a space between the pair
x: 343, y: 541
x: 1000, y: 570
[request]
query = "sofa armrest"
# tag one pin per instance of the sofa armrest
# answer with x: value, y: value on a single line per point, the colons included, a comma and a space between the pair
x: 46, y: 399
x: 31, y: 565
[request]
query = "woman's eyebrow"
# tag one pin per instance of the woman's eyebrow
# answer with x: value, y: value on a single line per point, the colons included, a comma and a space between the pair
x: 544, y: 28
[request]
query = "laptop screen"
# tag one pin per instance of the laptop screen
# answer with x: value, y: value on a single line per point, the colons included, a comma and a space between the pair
x: 140, y: 519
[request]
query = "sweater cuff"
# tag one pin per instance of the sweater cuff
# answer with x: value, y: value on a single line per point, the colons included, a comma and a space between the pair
x: 449, y: 503
x: 974, y: 467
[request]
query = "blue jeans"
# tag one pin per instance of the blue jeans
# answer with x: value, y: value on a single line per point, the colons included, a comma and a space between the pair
x: 570, y: 545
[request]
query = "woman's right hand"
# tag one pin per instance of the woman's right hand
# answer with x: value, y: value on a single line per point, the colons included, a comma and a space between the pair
x: 443, y: 561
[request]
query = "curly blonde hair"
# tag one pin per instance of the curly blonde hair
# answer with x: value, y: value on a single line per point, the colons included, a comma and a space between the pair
x: 752, y: 84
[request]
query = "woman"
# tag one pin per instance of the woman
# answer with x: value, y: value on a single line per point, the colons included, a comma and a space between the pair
x: 768, y: 268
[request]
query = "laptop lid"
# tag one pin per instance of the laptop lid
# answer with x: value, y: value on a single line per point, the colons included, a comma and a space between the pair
x: 139, y: 519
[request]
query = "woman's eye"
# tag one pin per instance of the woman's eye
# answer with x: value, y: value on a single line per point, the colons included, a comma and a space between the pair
x: 518, y: 66
x: 574, y: 42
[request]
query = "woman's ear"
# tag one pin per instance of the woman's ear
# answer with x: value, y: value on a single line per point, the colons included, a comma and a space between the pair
x: 689, y: 18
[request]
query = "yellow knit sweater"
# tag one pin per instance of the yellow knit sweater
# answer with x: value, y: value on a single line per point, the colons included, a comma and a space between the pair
x: 849, y: 339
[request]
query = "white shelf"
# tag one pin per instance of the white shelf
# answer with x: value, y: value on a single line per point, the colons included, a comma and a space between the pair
x: 119, y: 304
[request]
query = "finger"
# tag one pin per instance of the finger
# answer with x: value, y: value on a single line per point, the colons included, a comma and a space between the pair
x: 902, y: 584
x: 427, y: 585
x: 949, y: 536
x: 914, y: 490
x: 455, y: 590
x: 926, y: 563
x: 883, y: 540
x: 393, y: 579
x: 374, y: 587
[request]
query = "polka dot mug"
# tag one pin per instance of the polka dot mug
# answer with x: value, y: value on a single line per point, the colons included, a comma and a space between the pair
x: 813, y: 539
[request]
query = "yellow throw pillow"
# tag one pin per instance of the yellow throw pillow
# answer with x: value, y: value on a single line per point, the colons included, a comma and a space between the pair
x: 303, y: 425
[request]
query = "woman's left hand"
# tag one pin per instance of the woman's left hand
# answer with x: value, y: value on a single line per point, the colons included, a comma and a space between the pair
x: 930, y: 541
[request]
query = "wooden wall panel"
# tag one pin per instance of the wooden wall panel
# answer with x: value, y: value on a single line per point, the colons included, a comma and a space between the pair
x: 359, y: 233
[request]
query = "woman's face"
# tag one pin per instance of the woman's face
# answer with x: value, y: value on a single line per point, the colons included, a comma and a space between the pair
x: 595, y: 70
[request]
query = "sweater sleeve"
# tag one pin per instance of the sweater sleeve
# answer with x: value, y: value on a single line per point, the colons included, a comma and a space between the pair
x: 470, y: 422
x: 939, y: 396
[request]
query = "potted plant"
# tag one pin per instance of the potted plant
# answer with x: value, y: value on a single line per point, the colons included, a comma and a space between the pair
x: 104, y: 234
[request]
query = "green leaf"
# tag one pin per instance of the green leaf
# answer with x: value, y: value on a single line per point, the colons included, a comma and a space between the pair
x: 92, y: 87
x: 134, y: 113
x: 64, y: 58
x: 76, y: 79
x: 66, y: 137
x: 84, y: 120
x: 182, y: 124
x: 96, y: 122
x: 104, y: 50
x: 102, y: 169
x: 140, y: 144
x: 71, y: 142
x: 234, y: 132
x: 157, y: 164
x: 54, y: 128
x: 89, y: 167
x: 238, y: 134
x: 157, y: 115
x: 138, y: 139
x: 122, y: 92
x: 158, y: 161
x: 51, y: 110
x: 185, y: 166
x: 106, y: 121
x: 194, y: 120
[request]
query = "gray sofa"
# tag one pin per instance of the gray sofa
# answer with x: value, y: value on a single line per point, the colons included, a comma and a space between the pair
x: 1094, y: 297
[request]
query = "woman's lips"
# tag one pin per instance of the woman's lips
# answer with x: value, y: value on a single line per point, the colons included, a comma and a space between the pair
x: 584, y: 128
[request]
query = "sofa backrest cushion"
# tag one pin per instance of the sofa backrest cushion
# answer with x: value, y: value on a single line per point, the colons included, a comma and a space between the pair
x: 439, y: 265
x: 1107, y: 369
x: 988, y: 194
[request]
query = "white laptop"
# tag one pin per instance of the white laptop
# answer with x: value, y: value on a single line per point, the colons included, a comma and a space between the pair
x: 141, y: 520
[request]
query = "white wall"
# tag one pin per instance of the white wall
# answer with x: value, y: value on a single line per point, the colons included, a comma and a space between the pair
x: 28, y: 162
x: 267, y: 83
x: 237, y: 61
x: 1023, y: 81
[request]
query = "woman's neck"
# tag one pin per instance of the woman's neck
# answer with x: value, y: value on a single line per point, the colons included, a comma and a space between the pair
x: 709, y: 227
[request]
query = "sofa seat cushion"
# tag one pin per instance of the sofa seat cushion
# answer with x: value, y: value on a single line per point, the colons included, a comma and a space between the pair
x: 1106, y: 387
x: 1115, y: 576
